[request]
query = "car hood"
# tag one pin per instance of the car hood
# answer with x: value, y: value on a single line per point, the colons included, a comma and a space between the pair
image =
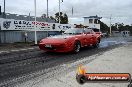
x: 57, y: 39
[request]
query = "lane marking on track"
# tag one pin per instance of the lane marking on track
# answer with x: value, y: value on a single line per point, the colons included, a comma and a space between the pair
x: 30, y: 48
x: 4, y: 52
x: 16, y: 50
x: 23, y: 49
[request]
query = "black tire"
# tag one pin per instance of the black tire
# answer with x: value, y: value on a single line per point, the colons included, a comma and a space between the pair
x: 77, y: 47
x: 47, y: 52
x: 130, y: 85
x: 80, y: 79
x: 96, y: 45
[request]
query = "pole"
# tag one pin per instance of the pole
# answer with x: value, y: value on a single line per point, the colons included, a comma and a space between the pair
x: 59, y: 11
x: 29, y: 17
x: 47, y: 16
x: 110, y: 25
x: 72, y: 10
x: 0, y: 27
x: 4, y: 16
x: 35, y: 22
x: 47, y: 10
x: 4, y: 10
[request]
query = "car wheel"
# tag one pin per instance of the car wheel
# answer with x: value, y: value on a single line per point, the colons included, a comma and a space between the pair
x: 97, y: 44
x: 77, y: 47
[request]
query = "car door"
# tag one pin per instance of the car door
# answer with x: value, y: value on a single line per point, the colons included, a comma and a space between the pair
x: 88, y: 36
x: 93, y: 37
x: 83, y: 38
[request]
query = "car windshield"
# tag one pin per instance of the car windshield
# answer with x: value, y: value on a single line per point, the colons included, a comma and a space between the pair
x: 95, y: 30
x: 74, y: 31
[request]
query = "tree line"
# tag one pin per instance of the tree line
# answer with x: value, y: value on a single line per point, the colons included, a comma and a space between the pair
x: 63, y: 18
x: 115, y: 27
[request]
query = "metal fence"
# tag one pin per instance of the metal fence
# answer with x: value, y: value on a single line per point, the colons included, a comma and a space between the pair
x: 19, y: 36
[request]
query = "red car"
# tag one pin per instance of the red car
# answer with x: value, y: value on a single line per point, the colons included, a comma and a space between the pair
x: 71, y: 40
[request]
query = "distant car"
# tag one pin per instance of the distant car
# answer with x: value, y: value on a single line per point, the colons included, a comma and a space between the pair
x: 104, y: 35
x: 71, y: 40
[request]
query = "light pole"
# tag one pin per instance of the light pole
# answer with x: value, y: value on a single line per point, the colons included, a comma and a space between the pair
x: 4, y: 9
x: 59, y: 11
x: 110, y: 24
x: 4, y: 6
x: 4, y: 16
x: 29, y: 17
x: 47, y: 10
x: 47, y: 16
x: 35, y: 22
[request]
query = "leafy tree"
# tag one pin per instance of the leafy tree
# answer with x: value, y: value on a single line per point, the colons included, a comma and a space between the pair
x: 103, y: 27
x: 113, y: 27
x: 52, y: 18
x: 63, y: 18
x: 43, y: 16
x: 122, y: 27
x: 57, y: 17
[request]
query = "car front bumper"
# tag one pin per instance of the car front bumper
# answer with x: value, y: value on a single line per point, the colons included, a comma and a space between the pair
x: 56, y: 47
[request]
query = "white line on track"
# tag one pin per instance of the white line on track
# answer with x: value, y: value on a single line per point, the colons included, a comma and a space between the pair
x: 22, y: 49
x: 4, y: 52
x: 16, y: 50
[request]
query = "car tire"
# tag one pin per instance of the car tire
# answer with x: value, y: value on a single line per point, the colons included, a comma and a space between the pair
x: 47, y: 52
x: 130, y: 85
x: 77, y: 47
x: 96, y: 45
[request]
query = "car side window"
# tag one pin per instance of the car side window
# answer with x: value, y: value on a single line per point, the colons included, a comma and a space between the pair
x: 88, y: 31
x: 92, y: 32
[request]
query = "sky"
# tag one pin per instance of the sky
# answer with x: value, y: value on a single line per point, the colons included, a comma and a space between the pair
x: 119, y: 10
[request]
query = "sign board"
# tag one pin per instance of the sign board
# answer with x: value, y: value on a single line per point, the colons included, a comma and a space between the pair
x: 94, y: 26
x: 11, y: 24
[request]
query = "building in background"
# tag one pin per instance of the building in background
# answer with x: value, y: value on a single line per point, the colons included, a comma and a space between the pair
x: 92, y: 22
